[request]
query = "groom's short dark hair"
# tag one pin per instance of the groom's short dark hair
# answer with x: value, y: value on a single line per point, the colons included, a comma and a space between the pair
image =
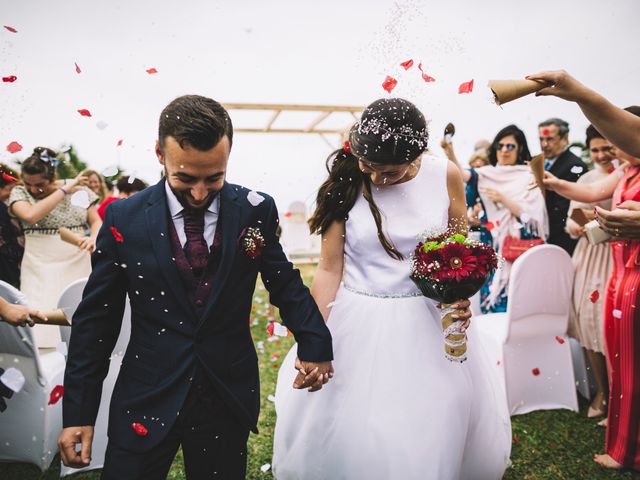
x: 195, y: 121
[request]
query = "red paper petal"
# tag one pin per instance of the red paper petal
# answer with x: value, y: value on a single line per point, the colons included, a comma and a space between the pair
x: 559, y: 339
x: 466, y: 87
x: 407, y: 65
x: 546, y: 132
x: 119, y: 143
x: 151, y: 71
x: 8, y: 178
x: 595, y: 296
x: 287, y: 214
x: 77, y: 68
x: 84, y: 112
x: 14, y: 147
x: 346, y: 147
x: 140, y: 429
x: 536, y: 371
x: 389, y: 83
x: 56, y: 394
x: 515, y: 440
x: 9, y: 79
x: 425, y: 77
x: 117, y: 235
x: 489, y: 226
x: 11, y: 29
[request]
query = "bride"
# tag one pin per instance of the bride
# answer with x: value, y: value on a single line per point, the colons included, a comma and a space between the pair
x: 396, y: 408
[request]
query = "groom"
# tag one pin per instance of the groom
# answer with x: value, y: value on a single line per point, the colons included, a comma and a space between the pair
x: 187, y: 251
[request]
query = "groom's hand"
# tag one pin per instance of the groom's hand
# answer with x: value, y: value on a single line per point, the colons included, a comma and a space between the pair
x: 67, y: 441
x: 312, y: 375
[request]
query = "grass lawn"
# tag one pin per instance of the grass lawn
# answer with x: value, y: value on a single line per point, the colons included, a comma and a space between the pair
x: 550, y: 445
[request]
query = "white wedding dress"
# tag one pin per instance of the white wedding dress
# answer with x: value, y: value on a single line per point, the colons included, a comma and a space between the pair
x: 396, y: 407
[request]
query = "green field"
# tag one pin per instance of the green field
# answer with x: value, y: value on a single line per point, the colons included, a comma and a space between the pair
x: 551, y: 445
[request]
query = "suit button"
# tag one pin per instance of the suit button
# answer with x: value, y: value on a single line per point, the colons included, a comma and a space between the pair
x: 199, y: 303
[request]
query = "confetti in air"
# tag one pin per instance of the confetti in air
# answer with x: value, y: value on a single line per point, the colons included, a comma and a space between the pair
x: 151, y: 71
x: 110, y: 171
x: 11, y: 29
x: 466, y: 87
x: 407, y: 65
x: 577, y: 169
x: 117, y: 235
x: 140, y: 429
x: 84, y: 112
x: 56, y: 394
x: 389, y: 83
x: 425, y: 77
x: 617, y: 314
x: 595, y: 296
x: 13, y: 379
x: 77, y: 68
x: 255, y: 198
x: 102, y: 125
x: 9, y: 79
x: 559, y: 339
x: 80, y: 199
x: 119, y: 144
x: 535, y: 371
x: 14, y: 147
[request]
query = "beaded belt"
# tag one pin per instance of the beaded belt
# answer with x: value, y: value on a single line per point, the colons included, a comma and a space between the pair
x: 382, y: 295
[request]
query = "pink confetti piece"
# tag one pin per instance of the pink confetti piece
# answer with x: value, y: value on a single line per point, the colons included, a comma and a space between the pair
x: 84, y: 112
x: 466, y: 87
x: 407, y: 65
x: 389, y: 83
x: 14, y: 147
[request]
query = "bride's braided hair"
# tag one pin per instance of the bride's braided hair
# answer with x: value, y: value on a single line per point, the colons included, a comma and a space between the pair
x: 390, y: 132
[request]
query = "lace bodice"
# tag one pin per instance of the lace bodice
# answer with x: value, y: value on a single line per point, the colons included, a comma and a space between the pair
x: 408, y: 209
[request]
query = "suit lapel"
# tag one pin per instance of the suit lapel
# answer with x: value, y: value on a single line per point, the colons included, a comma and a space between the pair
x: 157, y: 224
x: 229, y: 219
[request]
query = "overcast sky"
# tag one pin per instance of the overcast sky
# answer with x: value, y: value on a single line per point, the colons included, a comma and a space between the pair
x: 305, y: 52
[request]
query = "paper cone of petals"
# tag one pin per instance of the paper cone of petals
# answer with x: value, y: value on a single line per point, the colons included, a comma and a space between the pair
x: 506, y: 90
x: 54, y: 317
x: 537, y: 168
x: 69, y: 236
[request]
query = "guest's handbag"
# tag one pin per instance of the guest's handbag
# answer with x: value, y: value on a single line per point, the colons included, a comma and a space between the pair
x: 513, y: 247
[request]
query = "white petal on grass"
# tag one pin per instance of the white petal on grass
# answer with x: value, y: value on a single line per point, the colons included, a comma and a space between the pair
x: 265, y: 468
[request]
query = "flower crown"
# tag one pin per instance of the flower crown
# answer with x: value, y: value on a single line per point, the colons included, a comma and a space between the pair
x: 378, y: 126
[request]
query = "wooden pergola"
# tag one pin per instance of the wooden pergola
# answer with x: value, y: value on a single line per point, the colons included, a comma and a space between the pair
x: 323, y: 113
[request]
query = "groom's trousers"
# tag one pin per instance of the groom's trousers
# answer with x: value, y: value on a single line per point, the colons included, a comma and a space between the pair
x: 214, y: 443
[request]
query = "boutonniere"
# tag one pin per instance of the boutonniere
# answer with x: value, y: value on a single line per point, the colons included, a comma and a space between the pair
x: 252, y: 242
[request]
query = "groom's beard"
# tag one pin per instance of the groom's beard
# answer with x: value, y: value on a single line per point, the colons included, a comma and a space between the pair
x: 187, y: 201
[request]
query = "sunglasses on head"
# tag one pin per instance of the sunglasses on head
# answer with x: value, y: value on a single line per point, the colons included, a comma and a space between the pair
x: 509, y: 146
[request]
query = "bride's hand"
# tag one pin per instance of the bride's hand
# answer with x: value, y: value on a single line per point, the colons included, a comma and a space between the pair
x: 462, y: 313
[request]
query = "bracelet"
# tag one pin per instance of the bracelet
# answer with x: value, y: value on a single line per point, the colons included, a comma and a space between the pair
x: 63, y: 191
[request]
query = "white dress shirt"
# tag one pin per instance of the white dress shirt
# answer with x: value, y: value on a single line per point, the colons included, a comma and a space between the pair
x: 210, y: 217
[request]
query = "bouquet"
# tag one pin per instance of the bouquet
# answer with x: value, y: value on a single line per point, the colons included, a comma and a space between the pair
x: 448, y: 269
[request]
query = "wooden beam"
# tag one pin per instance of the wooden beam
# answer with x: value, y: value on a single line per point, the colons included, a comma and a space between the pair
x: 319, y: 119
x: 303, y: 108
x: 286, y: 130
x: 275, y: 115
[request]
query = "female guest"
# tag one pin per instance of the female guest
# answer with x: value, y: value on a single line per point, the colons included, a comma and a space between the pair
x: 511, y: 208
x: 96, y: 184
x: 126, y: 187
x: 43, y: 205
x: 397, y: 408
x: 11, y: 236
x: 621, y: 317
x: 593, y: 265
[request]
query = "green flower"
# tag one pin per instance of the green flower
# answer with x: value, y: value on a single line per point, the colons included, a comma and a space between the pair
x: 457, y: 238
x: 430, y: 246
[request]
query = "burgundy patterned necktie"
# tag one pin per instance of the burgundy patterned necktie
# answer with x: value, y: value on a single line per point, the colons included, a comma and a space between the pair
x: 195, y: 249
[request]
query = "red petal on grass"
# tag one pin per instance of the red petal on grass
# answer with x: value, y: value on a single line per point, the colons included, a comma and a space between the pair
x: 515, y: 440
x: 559, y: 339
x: 11, y: 29
x: 84, y: 112
x: 77, y: 68
x: 9, y: 79
x: 425, y: 77
x: 56, y: 394
x: 389, y: 83
x: 466, y: 87
x: 595, y: 296
x: 151, y: 71
x: 536, y: 371
x: 140, y: 429
x: 14, y: 147
x: 117, y: 235
x: 407, y: 65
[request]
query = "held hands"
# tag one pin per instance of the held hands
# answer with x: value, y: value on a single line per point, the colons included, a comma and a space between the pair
x: 312, y: 375
x: 563, y: 85
x: 462, y: 313
x: 623, y: 222
x: 19, y: 315
x: 67, y: 441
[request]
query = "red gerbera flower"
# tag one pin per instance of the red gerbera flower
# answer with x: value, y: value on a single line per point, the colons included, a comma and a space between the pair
x: 457, y: 262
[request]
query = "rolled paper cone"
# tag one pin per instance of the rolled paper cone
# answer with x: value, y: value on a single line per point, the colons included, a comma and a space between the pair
x: 55, y: 317
x: 537, y: 168
x: 70, y: 237
x: 455, y: 345
x: 506, y: 90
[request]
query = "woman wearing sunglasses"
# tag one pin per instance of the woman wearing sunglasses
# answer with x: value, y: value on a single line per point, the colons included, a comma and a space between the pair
x: 512, y: 211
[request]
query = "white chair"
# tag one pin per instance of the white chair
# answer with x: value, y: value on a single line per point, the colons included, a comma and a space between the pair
x: 30, y: 426
x: 528, y: 342
x: 69, y: 301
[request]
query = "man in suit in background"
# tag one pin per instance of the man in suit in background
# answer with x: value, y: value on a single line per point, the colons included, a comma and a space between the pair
x: 187, y: 252
x: 558, y: 159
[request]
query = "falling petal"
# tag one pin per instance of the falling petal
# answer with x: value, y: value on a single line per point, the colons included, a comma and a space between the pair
x: 425, y: 77
x: 617, y: 314
x: 9, y: 79
x: 80, y: 199
x: 56, y: 394
x: 110, y: 171
x: 77, y: 68
x: 255, y: 198
x: 595, y: 296
x: 559, y: 339
x: 84, y: 112
x: 536, y: 371
x: 102, y: 124
x: 13, y: 379
x: 140, y: 429
x: 151, y: 71
x: 407, y: 65
x: 466, y: 87
x: 389, y: 83
x: 11, y: 29
x: 119, y: 144
x: 14, y: 147
x: 117, y: 235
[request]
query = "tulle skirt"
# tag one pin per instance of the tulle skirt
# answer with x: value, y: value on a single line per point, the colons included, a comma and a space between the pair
x: 396, y: 407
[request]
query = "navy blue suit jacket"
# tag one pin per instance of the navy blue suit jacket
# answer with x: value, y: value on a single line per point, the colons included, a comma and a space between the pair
x: 169, y: 338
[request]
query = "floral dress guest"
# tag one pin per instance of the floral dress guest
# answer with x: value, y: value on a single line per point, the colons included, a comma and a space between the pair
x: 621, y: 315
x: 11, y: 236
x: 43, y: 205
x: 511, y: 208
x: 592, y: 266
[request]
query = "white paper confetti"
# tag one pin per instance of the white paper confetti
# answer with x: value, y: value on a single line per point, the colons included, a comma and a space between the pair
x: 617, y: 314
x: 80, y: 199
x: 13, y: 379
x: 577, y: 169
x: 110, y: 171
x: 102, y: 124
x: 265, y: 468
x: 255, y: 198
x: 280, y: 330
x: 271, y: 398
